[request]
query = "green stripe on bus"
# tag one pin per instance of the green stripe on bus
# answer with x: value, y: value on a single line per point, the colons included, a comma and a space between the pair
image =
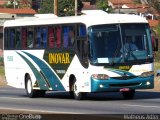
x: 52, y: 78
x: 39, y: 78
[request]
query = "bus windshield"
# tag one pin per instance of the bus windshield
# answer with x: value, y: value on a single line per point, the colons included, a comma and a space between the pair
x: 120, y: 43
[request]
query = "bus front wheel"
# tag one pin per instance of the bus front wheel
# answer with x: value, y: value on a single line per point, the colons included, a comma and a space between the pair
x: 128, y: 94
x: 77, y: 95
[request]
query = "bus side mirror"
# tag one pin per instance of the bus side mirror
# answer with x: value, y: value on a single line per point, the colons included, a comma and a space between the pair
x: 155, y: 48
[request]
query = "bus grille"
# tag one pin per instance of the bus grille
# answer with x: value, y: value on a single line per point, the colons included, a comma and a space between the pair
x: 124, y: 77
x: 125, y: 85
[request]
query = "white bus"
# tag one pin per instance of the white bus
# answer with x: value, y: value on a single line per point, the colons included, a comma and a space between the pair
x: 79, y: 54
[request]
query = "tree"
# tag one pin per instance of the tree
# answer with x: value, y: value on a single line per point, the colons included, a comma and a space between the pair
x: 65, y: 7
x: 12, y: 4
x: 18, y: 4
x: 47, y: 6
x: 25, y: 3
x: 154, y: 4
x: 103, y: 5
x: 36, y: 4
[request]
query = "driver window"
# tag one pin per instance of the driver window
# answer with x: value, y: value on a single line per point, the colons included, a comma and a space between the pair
x: 82, y: 41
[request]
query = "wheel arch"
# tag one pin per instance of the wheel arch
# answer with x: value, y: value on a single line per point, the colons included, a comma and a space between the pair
x: 72, y: 80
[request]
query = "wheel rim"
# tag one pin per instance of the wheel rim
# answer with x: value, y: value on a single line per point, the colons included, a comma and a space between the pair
x: 29, y: 86
x: 76, y: 92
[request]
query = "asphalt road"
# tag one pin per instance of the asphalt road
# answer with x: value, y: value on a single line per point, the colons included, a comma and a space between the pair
x: 145, y: 102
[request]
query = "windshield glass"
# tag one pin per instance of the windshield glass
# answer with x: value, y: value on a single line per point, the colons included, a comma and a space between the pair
x: 119, y: 43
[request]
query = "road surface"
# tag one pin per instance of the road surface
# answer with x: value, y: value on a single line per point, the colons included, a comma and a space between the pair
x: 13, y: 100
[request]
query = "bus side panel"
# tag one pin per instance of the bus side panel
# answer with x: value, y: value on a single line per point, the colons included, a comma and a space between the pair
x: 81, y: 74
x: 14, y: 69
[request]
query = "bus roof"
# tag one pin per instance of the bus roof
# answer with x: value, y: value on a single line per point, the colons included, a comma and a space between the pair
x: 86, y: 19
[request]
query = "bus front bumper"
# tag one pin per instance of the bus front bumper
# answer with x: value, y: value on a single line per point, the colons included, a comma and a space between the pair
x: 115, y: 85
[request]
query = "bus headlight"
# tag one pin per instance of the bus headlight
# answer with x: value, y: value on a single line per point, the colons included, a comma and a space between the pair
x: 147, y: 74
x: 100, y: 76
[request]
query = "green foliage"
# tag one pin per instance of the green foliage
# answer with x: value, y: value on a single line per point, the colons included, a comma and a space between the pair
x: 1, y: 61
x: 1, y: 71
x: 65, y: 7
x: 137, y: 1
x: 158, y: 31
x: 157, y: 54
x: 103, y: 5
x: 155, y: 4
x: 18, y: 4
x: 47, y: 7
x: 11, y: 4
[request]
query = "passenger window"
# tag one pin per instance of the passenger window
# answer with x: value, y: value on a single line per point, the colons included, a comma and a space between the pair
x: 82, y: 44
x: 71, y: 36
x: 51, y: 37
x: 24, y: 37
x: 68, y: 36
x: 18, y: 38
x: 65, y: 36
x: 7, y: 38
x: 81, y: 30
x: 41, y: 36
x: 37, y: 37
x: 44, y: 36
x: 30, y: 37
x: 58, y: 37
x: 12, y: 38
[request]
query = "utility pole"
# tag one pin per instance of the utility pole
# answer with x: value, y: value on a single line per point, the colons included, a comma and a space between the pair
x: 56, y: 7
x: 14, y: 4
x: 76, y: 6
x: 118, y: 7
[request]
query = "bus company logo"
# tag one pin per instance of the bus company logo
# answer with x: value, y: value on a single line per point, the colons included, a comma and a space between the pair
x: 58, y: 58
x: 21, y: 117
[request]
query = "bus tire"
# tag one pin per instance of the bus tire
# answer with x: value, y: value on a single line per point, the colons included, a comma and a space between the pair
x: 128, y: 94
x: 40, y: 93
x: 78, y: 95
x: 29, y: 88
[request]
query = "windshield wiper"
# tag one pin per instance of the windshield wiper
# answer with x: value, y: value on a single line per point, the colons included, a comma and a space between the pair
x: 129, y: 54
x: 114, y: 58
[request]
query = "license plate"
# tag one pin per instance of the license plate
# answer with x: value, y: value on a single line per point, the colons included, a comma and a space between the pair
x: 124, y: 89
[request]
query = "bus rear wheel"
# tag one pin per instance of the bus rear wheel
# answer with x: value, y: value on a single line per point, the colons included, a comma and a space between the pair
x: 128, y: 94
x: 30, y: 91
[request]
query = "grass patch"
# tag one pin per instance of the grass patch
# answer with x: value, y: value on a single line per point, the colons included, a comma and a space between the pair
x: 1, y: 61
x: 2, y: 79
x: 1, y: 66
x: 1, y: 71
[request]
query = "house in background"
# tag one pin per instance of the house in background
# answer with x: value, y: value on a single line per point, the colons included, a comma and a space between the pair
x: 117, y: 4
x: 89, y: 6
x: 2, y: 2
x: 130, y: 7
x: 3, y: 17
x: 20, y: 12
